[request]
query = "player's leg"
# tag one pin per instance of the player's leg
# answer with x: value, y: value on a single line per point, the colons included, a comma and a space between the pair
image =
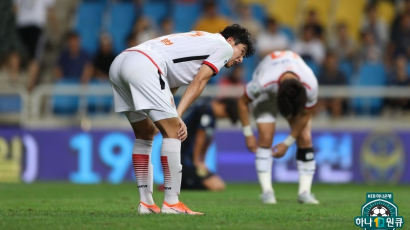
x: 214, y: 183
x: 144, y: 131
x: 171, y: 164
x: 264, y: 111
x: 264, y: 160
x: 306, y: 166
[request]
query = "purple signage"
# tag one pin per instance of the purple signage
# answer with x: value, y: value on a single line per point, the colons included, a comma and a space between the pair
x: 105, y: 155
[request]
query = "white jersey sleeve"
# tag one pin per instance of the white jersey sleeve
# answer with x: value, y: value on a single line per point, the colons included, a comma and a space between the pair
x: 219, y: 57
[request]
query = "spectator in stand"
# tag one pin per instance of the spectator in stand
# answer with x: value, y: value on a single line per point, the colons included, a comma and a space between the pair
x: 375, y: 25
x: 399, y: 76
x: 400, y: 36
x: 247, y: 20
x: 211, y: 21
x: 313, y: 21
x: 143, y: 30
x: 271, y: 39
x: 309, y: 47
x: 132, y: 40
x: 369, y: 50
x: 332, y: 76
x: 343, y: 44
x: 103, y: 58
x: 74, y: 62
x: 166, y: 27
x: 31, y: 19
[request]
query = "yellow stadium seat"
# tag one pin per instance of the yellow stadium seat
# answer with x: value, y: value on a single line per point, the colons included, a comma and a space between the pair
x: 322, y: 8
x: 386, y: 11
x: 350, y: 12
x: 285, y: 11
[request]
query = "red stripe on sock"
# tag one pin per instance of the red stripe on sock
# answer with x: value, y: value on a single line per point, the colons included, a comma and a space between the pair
x: 140, y: 163
x: 165, y: 169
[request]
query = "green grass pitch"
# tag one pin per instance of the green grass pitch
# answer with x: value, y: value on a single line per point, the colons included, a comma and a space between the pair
x: 105, y: 206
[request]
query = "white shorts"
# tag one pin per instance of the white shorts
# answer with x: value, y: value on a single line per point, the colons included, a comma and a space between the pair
x: 264, y: 108
x: 137, y: 87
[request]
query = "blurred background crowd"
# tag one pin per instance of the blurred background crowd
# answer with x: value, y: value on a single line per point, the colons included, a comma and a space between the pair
x: 345, y: 42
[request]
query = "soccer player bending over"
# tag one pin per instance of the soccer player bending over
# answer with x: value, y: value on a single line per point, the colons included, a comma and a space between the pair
x: 201, y: 123
x: 282, y: 81
x: 144, y: 79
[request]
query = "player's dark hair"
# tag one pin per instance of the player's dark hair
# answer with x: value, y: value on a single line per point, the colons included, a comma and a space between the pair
x: 231, y: 108
x: 241, y: 36
x: 291, y: 97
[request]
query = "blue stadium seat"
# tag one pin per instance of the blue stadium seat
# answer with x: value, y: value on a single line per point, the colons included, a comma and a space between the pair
x: 185, y: 15
x: 64, y: 104
x: 10, y: 104
x: 225, y: 8
x: 121, y: 20
x: 156, y: 10
x: 88, y: 24
x: 259, y: 13
x: 370, y: 74
x: 313, y: 65
x: 346, y: 67
x: 249, y: 65
x: 288, y: 32
x: 99, y: 104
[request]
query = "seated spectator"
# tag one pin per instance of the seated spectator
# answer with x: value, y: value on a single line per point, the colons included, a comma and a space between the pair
x: 166, y: 27
x: 375, y: 25
x: 247, y: 20
x: 313, y: 21
x: 74, y: 62
x: 103, y: 58
x: 309, y: 47
x: 10, y: 71
x: 342, y: 43
x: 143, y: 30
x: 400, y: 77
x: 271, y: 39
x: 332, y: 76
x: 211, y: 21
x: 369, y: 50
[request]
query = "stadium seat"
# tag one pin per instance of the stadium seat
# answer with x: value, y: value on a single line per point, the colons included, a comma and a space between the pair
x: 386, y: 11
x: 121, y: 19
x: 286, y: 11
x: 10, y: 104
x: 185, y: 15
x: 350, y: 12
x: 259, y: 13
x: 225, y: 8
x: 88, y: 24
x: 370, y: 74
x: 346, y: 67
x: 65, y: 104
x: 97, y: 105
x: 322, y: 8
x: 156, y: 10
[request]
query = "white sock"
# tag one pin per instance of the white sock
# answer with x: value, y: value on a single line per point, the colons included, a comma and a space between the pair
x: 143, y: 169
x: 172, y: 168
x: 306, y: 171
x: 263, y: 163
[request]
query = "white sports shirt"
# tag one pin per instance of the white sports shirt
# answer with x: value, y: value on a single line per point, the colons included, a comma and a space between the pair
x: 267, y: 75
x: 184, y: 53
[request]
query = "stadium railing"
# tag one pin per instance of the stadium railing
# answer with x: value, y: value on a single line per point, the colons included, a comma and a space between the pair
x: 37, y: 107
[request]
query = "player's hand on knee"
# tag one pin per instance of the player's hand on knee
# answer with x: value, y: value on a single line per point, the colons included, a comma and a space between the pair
x: 251, y: 143
x: 182, y: 131
x: 279, y: 150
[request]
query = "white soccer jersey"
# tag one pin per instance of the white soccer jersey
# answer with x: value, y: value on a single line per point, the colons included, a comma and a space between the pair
x: 267, y: 75
x: 184, y: 53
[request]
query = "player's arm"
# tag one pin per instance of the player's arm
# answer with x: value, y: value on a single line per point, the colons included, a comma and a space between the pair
x: 297, y: 125
x: 195, y: 88
x: 201, y: 144
x: 243, y: 110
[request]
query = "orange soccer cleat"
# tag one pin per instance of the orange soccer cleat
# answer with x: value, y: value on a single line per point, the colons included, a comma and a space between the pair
x: 144, y: 208
x: 178, y: 208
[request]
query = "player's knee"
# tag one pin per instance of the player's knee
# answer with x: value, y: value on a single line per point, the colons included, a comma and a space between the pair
x: 147, y: 133
x: 265, y: 141
x: 304, y: 139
